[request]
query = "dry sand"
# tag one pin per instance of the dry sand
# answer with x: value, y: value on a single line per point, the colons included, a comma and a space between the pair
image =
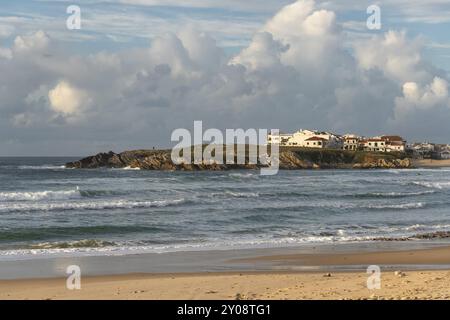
x: 343, y: 285
x: 261, y: 285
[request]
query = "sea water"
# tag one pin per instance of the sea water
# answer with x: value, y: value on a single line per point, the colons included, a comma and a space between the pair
x: 46, y: 209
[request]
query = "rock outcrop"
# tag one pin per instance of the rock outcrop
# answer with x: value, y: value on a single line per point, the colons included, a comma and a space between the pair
x: 289, y: 160
x: 383, y: 163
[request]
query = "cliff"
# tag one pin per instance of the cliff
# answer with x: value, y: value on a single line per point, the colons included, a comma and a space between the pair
x: 290, y: 159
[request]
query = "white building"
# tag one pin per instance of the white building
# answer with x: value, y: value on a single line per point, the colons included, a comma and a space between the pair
x: 395, y: 147
x: 424, y: 149
x: 281, y: 139
x: 444, y: 152
x: 351, y: 142
x: 445, y: 155
x: 374, y: 145
x: 394, y: 143
x: 302, y: 138
x: 315, y: 142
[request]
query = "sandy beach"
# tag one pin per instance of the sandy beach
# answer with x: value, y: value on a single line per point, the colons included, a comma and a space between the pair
x: 430, y: 163
x: 405, y: 274
x: 252, y: 286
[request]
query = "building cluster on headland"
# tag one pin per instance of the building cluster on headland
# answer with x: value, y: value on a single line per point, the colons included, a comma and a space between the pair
x: 353, y: 142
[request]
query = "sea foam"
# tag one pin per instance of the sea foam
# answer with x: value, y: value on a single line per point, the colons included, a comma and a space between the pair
x: 40, y: 195
x: 86, y: 205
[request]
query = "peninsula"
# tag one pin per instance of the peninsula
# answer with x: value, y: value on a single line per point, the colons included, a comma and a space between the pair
x: 290, y: 159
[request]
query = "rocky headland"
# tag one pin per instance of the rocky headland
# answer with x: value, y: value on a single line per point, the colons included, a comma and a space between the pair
x: 290, y: 159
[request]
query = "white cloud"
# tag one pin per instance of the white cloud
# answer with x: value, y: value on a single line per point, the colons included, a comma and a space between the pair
x: 426, y: 97
x: 296, y: 72
x: 35, y: 42
x: 66, y: 99
x: 263, y: 52
x: 395, y: 55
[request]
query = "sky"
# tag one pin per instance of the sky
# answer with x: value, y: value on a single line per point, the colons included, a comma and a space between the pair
x: 139, y: 69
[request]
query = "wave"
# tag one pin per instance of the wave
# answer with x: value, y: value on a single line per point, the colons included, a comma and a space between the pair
x: 93, y: 205
x: 388, y: 194
x: 435, y: 185
x: 86, y: 243
x: 227, y: 194
x: 102, y: 247
x: 42, y: 167
x: 130, y: 168
x: 414, y: 205
x: 49, y: 195
x: 243, y: 175
x: 335, y: 206
x: 40, y: 195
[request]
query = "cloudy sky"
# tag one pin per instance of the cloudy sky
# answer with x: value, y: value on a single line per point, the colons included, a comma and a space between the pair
x: 138, y: 69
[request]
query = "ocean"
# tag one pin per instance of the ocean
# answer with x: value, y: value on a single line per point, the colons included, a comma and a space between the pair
x: 47, y: 210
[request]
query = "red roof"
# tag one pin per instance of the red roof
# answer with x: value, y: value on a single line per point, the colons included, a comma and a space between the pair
x: 316, y: 139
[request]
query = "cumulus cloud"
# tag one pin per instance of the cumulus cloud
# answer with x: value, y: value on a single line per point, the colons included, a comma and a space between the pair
x: 295, y: 73
x: 35, y: 42
x: 398, y: 57
x: 66, y: 99
x: 428, y: 97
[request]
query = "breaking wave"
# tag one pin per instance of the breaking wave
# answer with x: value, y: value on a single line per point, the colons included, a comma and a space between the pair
x: 86, y: 243
x: 43, y: 167
x: 40, y: 195
x: 414, y: 205
x: 435, y: 185
x: 227, y: 194
x: 389, y: 194
x: 93, y: 205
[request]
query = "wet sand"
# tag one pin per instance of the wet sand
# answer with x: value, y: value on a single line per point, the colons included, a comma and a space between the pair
x: 280, y: 281
x: 432, y: 256
x: 428, y: 163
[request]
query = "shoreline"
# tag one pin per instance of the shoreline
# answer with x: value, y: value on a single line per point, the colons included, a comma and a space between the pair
x: 307, y: 257
x: 321, y: 274
x: 430, y: 163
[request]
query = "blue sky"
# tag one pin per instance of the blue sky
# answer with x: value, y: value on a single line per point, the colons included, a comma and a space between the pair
x: 118, y: 24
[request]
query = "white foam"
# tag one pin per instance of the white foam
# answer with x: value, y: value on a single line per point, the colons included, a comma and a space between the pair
x: 238, y: 194
x: 40, y: 195
x: 130, y: 168
x: 435, y: 185
x: 401, y: 194
x: 91, y: 205
x: 243, y: 175
x: 43, y: 167
x: 414, y: 205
